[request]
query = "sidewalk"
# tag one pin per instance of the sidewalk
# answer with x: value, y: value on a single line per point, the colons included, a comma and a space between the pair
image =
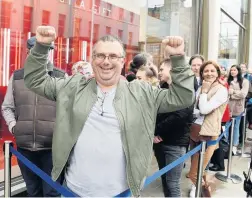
x: 219, y: 188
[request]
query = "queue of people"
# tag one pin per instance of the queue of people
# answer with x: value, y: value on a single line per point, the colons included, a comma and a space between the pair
x: 224, y: 93
x: 104, y: 126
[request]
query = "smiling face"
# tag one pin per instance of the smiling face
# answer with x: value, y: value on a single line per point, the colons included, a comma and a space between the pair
x: 210, y: 73
x: 234, y: 71
x: 107, y: 63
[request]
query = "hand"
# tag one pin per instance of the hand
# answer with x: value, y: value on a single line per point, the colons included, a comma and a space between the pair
x: 45, y: 34
x: 204, y: 138
x: 157, y: 139
x: 174, y: 45
x: 206, y: 85
x: 230, y: 91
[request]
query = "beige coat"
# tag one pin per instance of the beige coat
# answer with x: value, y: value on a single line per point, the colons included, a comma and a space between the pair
x: 237, y: 97
x: 212, y: 121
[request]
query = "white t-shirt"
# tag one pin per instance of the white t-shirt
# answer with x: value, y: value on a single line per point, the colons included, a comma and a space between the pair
x: 97, y: 166
x: 205, y: 107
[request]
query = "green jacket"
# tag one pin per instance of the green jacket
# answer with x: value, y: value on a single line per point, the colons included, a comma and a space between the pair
x: 136, y: 105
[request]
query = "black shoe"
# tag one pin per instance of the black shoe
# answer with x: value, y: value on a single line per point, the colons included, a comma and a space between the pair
x: 216, y: 168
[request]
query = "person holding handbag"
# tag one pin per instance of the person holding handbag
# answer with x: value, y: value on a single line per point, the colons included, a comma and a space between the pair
x: 211, y: 100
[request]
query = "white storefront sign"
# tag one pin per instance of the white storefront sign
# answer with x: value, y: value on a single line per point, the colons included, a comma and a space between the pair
x: 81, y: 4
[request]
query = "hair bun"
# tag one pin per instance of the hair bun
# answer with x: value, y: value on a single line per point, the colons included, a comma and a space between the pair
x: 139, y: 60
x: 130, y: 77
x: 132, y: 65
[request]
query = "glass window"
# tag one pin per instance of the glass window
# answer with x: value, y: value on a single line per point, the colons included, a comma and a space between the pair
x: 96, y: 32
x: 108, y: 30
x: 120, y: 34
x: 131, y: 17
x: 236, y: 8
x: 77, y: 26
x: 170, y: 18
x: 61, y: 25
x: 228, y: 42
x: 97, y: 3
x: 27, y: 19
x: 130, y: 37
x: 45, y: 17
x: 121, y: 13
x: 5, y: 14
x: 107, y: 9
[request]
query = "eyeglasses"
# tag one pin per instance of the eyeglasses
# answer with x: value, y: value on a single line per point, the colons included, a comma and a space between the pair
x: 111, y: 57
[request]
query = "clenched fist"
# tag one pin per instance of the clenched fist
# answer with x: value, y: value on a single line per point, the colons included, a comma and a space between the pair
x: 45, y: 34
x: 174, y: 45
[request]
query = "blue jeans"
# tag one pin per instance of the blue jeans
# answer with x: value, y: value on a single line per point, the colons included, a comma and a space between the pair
x: 36, y: 187
x: 166, y: 154
x: 236, y: 131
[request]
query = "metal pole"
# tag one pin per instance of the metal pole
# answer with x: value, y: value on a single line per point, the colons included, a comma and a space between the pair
x: 226, y: 178
x: 244, y: 134
x: 200, y: 169
x: 230, y: 149
x: 7, y: 169
x: 199, y: 26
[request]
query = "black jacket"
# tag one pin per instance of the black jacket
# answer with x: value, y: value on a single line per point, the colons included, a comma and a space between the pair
x: 174, y: 127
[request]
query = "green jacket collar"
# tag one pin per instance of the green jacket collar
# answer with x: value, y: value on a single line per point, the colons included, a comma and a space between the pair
x: 119, y: 89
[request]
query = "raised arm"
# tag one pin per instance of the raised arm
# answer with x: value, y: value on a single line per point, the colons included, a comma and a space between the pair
x: 181, y: 93
x: 35, y: 74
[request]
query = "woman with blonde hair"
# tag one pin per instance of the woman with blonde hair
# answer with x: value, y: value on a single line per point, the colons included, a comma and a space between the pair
x: 148, y: 74
x: 211, y: 101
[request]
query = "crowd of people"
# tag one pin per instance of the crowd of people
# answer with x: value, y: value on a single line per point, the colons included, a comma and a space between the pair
x: 96, y: 130
x: 221, y: 93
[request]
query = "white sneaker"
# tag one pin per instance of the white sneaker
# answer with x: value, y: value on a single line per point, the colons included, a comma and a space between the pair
x: 234, y: 150
x: 192, y: 191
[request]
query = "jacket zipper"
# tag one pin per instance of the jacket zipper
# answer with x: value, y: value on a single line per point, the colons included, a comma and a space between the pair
x: 129, y: 171
x: 35, y: 114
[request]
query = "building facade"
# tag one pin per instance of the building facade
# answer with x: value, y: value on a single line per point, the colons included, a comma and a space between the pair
x: 226, y: 31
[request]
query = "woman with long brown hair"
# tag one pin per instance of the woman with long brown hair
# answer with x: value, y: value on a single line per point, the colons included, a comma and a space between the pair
x: 211, y: 100
x: 238, y: 90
